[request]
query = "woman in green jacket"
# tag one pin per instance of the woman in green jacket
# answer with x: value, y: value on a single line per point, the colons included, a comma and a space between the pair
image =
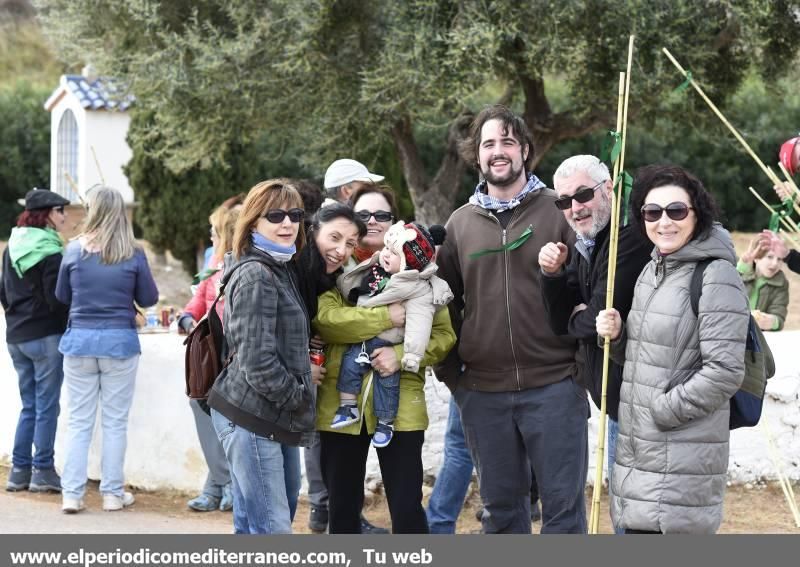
x: 344, y: 451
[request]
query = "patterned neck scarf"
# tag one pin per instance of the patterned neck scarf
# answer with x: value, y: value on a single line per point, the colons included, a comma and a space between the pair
x: 484, y: 200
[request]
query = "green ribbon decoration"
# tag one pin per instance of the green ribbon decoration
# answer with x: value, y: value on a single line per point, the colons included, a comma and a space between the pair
x: 625, y: 185
x: 774, y: 222
x: 685, y: 84
x: 611, y: 146
x: 513, y: 245
x: 200, y: 276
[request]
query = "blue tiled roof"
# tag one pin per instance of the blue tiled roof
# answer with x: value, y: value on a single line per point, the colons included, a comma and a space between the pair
x: 102, y: 93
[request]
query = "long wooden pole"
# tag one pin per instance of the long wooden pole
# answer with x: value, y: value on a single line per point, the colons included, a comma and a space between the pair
x: 771, y: 175
x: 622, y: 111
x: 97, y: 164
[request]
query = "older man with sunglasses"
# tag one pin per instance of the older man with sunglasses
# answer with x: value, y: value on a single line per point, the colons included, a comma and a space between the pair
x: 574, y: 293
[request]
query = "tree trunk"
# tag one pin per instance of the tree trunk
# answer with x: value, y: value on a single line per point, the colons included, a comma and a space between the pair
x: 433, y: 199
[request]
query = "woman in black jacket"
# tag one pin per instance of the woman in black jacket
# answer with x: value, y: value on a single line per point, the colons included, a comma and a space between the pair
x: 35, y: 321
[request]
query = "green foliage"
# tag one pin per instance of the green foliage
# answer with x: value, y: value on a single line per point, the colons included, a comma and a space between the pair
x: 24, y: 147
x: 174, y: 207
x: 765, y: 118
x: 26, y: 56
x: 341, y: 77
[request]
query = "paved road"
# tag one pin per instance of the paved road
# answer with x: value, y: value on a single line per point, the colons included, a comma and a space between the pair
x: 36, y: 515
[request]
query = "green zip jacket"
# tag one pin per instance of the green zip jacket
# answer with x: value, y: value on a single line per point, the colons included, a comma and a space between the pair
x: 340, y: 325
x: 768, y: 295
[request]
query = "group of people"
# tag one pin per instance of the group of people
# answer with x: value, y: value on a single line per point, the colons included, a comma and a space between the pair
x: 507, y: 303
x: 70, y: 317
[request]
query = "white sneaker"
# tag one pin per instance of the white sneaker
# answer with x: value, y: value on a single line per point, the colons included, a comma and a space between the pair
x: 112, y: 502
x: 72, y: 505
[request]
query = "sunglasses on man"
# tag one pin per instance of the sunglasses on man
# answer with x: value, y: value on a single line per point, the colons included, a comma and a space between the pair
x: 380, y: 216
x: 276, y: 216
x: 582, y: 195
x: 676, y: 211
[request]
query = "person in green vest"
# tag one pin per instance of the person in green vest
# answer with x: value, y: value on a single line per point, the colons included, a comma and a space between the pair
x: 766, y: 285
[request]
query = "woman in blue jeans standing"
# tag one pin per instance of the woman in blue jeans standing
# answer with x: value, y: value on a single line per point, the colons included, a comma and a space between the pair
x: 103, y: 272
x: 35, y: 320
x: 263, y: 402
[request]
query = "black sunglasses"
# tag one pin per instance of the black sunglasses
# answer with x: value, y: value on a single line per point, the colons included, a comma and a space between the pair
x: 276, y: 216
x: 59, y: 209
x: 676, y: 211
x: 380, y: 216
x: 582, y: 195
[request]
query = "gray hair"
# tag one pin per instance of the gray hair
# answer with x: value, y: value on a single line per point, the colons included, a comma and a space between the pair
x: 106, y: 225
x: 588, y: 164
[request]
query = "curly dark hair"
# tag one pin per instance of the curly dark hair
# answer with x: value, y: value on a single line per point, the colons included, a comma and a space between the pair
x: 511, y: 122
x: 650, y: 177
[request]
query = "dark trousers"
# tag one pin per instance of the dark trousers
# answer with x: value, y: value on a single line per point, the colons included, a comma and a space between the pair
x: 510, y: 433
x: 344, y: 466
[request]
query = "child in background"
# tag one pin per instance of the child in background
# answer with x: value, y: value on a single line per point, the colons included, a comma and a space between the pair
x: 404, y: 271
x: 766, y: 286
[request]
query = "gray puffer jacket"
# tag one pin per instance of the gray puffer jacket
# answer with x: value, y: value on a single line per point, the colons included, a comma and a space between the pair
x: 672, y: 451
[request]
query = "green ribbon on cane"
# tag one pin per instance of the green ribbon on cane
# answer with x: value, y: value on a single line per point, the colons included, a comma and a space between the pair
x: 611, y: 146
x: 785, y: 211
x: 624, y: 186
x: 513, y: 245
x: 774, y: 221
x: 685, y: 84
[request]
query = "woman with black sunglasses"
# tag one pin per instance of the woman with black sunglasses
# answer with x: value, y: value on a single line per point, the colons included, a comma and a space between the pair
x: 263, y: 402
x: 344, y: 451
x: 680, y: 370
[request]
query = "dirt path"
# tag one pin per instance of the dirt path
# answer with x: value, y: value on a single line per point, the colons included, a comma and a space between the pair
x: 747, y: 510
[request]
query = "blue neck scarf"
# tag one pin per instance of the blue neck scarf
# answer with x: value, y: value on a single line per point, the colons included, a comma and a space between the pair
x: 280, y: 253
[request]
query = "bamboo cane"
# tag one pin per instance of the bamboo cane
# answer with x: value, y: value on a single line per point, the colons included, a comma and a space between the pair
x: 786, y: 487
x: 795, y: 206
x: 772, y: 177
x: 594, y: 517
x: 74, y: 187
x: 97, y: 164
x: 782, y: 219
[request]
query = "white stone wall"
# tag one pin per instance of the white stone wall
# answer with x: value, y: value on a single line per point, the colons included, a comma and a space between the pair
x: 163, y: 450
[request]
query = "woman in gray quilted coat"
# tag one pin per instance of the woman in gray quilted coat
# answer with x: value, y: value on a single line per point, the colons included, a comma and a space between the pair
x: 680, y: 371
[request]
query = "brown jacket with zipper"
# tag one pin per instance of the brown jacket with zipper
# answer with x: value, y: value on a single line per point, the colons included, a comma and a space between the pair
x: 505, y: 342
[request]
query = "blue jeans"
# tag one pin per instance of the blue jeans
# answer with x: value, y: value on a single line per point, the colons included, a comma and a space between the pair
x: 39, y: 368
x: 453, y: 479
x: 218, y: 474
x: 258, y: 479
x: 110, y: 381
x: 613, y: 431
x: 386, y: 389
